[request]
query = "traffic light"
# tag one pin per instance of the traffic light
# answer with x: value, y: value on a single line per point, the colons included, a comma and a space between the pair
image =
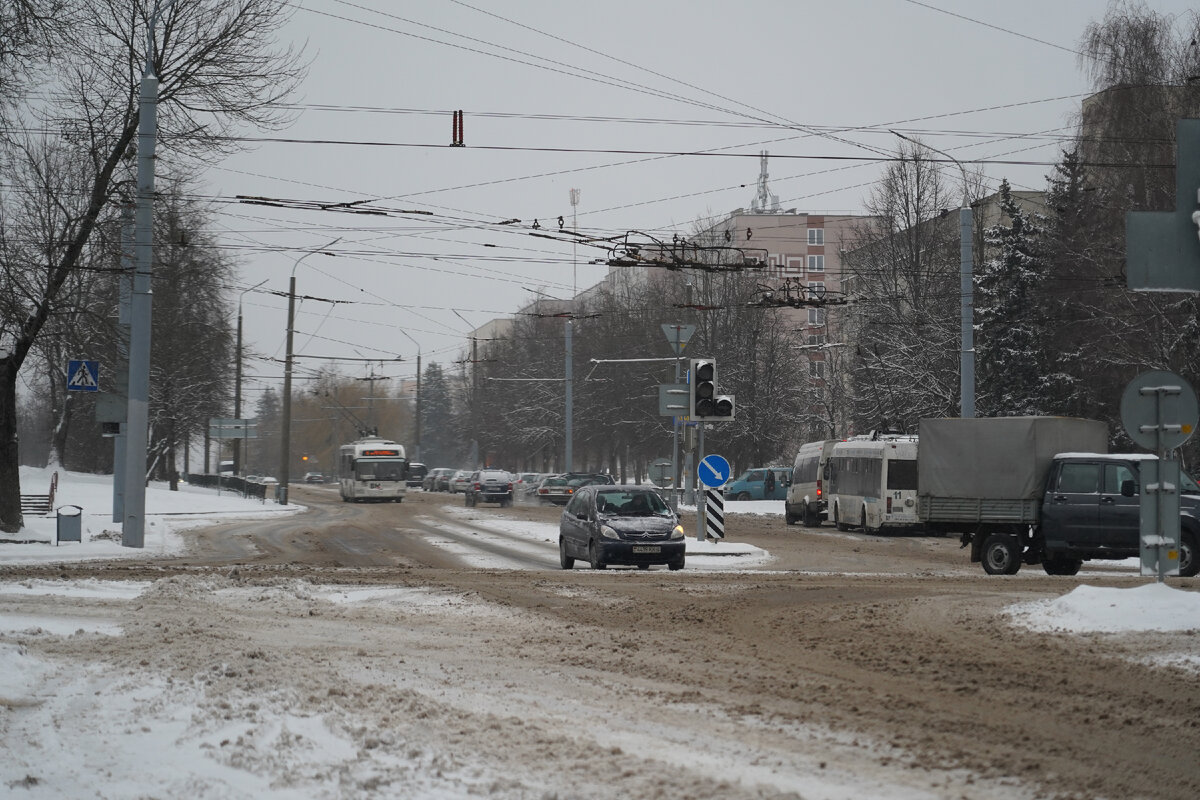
x: 722, y: 407
x: 702, y: 389
x: 704, y: 401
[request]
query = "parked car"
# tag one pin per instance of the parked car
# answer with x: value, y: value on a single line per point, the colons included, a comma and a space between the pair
x: 762, y: 483
x: 609, y: 524
x: 490, y: 486
x: 525, y: 485
x: 460, y: 481
x: 314, y: 477
x: 416, y: 474
x: 578, y: 479
x: 434, y: 477
x: 554, y: 490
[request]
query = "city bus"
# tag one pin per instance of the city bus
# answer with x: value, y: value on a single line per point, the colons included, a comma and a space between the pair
x: 873, y: 483
x: 372, y: 469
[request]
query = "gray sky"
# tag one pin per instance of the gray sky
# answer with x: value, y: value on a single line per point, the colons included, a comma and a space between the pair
x: 616, y: 99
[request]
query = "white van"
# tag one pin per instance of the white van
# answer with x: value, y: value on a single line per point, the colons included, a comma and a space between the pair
x: 806, y: 501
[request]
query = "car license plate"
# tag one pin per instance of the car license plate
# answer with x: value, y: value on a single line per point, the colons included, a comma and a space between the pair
x: 647, y: 548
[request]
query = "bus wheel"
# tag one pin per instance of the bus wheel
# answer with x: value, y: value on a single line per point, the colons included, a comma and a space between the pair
x: 837, y: 519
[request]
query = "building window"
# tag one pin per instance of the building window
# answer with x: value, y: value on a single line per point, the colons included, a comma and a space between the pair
x: 816, y: 290
x: 816, y: 236
x: 816, y: 316
x: 816, y: 263
x: 816, y: 339
x: 816, y: 369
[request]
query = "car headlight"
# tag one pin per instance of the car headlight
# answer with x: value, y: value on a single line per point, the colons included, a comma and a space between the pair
x: 608, y: 533
x: 677, y: 533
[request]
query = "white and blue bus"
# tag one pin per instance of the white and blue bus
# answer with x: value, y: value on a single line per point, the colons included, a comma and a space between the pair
x: 873, y: 483
x: 372, y: 469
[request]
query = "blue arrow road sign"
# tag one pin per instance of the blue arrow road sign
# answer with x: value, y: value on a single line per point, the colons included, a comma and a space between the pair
x: 713, y: 471
x: 83, y: 376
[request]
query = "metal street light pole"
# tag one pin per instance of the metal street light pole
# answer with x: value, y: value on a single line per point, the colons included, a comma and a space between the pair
x: 133, y: 526
x: 417, y: 409
x: 286, y: 443
x: 966, y: 289
x: 237, y: 390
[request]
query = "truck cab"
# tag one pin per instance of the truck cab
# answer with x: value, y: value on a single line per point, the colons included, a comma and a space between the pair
x: 1091, y: 509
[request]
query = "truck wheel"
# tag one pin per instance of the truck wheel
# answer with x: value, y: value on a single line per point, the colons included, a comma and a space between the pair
x: 1062, y: 565
x: 1001, y: 554
x: 1189, y: 557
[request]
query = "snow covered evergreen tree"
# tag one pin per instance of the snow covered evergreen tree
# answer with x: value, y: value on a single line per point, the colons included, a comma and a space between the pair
x: 1014, y: 351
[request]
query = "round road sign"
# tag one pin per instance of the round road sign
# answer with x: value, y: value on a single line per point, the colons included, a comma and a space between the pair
x: 713, y: 471
x: 1158, y: 409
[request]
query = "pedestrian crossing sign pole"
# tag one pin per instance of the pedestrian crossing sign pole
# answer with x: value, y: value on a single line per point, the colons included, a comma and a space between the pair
x: 83, y: 376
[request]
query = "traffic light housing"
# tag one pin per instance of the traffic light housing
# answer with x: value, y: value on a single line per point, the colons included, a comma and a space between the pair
x: 704, y: 401
x: 702, y: 387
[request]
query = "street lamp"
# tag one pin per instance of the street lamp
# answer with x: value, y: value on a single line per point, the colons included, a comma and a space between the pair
x: 966, y: 276
x: 237, y: 390
x: 133, y: 525
x: 417, y: 414
x: 286, y: 443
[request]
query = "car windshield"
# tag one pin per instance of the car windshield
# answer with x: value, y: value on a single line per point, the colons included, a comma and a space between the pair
x: 633, y: 503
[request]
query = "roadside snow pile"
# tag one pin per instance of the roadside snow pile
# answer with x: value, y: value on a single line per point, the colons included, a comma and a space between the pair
x: 1092, y: 609
x: 20, y: 675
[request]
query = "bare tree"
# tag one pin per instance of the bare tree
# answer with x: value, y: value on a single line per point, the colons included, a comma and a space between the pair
x: 903, y: 286
x: 217, y: 69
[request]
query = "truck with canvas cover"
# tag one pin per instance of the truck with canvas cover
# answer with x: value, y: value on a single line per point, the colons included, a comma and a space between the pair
x: 1039, y: 490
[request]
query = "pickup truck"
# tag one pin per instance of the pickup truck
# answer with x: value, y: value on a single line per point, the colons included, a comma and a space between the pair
x: 1039, y: 490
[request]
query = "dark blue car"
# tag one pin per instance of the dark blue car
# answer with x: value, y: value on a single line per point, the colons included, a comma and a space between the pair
x: 631, y: 525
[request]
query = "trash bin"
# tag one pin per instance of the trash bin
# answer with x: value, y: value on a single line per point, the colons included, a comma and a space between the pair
x: 70, y: 524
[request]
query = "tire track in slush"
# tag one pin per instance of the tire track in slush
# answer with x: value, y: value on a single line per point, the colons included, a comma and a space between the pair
x: 499, y: 550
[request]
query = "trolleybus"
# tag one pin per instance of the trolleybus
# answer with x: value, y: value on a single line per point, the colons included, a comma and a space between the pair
x: 372, y: 469
x: 873, y: 483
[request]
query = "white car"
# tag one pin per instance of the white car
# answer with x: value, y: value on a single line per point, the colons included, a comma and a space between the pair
x: 461, y: 481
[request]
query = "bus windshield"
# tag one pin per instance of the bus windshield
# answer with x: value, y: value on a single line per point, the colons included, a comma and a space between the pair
x: 902, y: 474
x: 366, y: 469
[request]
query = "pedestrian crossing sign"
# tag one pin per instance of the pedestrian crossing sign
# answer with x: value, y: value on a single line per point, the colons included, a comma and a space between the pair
x: 83, y: 376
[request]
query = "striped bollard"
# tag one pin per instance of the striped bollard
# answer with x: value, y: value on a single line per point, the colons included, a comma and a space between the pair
x: 714, y: 514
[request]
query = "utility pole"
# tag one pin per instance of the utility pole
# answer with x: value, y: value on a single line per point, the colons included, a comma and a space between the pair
x: 119, y: 451
x: 417, y: 419
x: 285, y: 445
x: 568, y: 454
x: 568, y: 378
x: 237, y: 390
x: 133, y: 528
